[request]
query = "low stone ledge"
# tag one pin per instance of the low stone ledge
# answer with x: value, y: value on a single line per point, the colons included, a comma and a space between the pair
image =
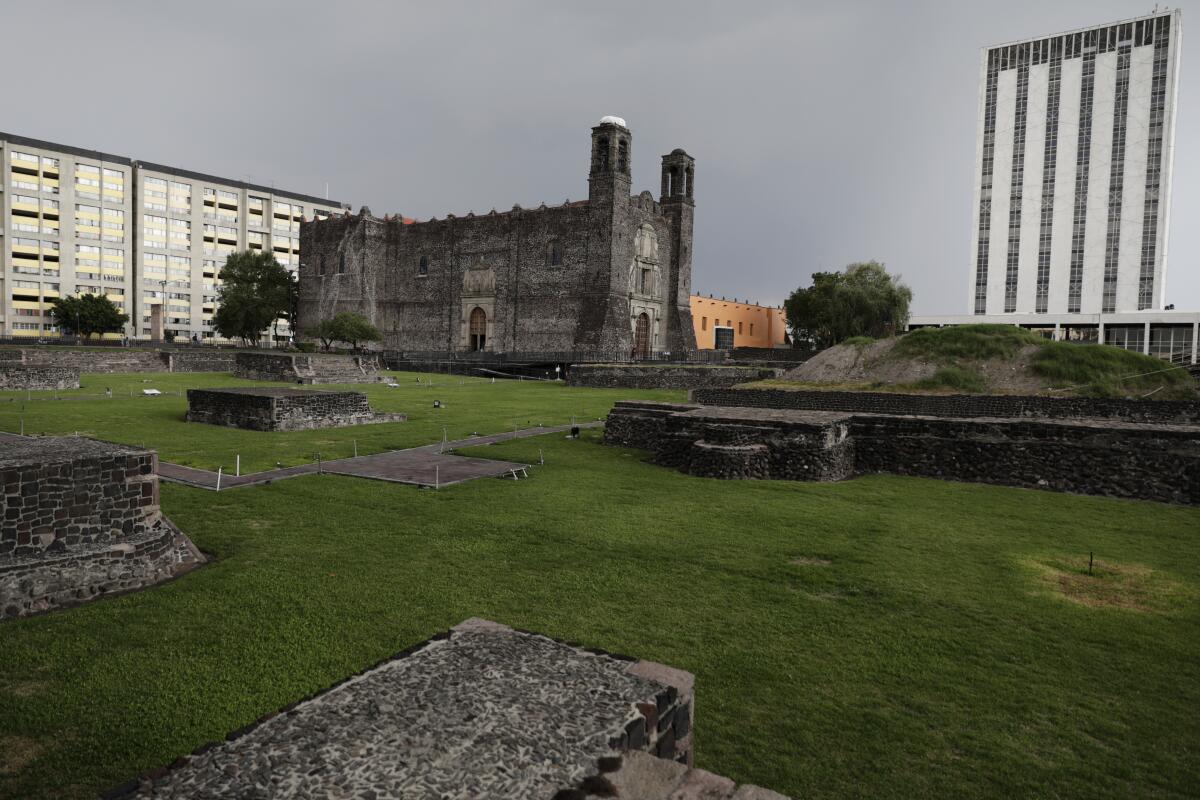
x: 1183, y: 412
x: 34, y: 585
x: 663, y: 376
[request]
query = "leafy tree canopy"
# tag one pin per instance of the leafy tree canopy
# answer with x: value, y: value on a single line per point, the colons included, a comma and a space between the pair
x: 256, y: 291
x: 87, y: 314
x: 347, y: 327
x: 863, y: 300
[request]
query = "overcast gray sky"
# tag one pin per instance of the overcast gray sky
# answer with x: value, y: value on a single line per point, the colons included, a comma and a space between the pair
x: 823, y: 133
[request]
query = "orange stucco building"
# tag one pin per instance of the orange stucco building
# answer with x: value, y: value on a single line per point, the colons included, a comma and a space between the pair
x: 730, y: 323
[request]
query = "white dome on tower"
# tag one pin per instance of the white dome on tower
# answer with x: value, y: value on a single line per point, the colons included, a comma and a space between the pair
x: 610, y: 120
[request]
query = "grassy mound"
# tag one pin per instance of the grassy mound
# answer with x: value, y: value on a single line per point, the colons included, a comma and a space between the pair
x: 965, y: 342
x: 995, y: 359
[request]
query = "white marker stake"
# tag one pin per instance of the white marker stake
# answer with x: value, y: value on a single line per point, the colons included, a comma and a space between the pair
x: 437, y: 477
x: 219, y: 478
x: 238, y: 466
x: 355, y: 447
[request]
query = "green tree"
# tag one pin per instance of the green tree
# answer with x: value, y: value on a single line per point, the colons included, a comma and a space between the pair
x: 256, y: 291
x: 863, y: 300
x: 353, y: 328
x: 325, y: 331
x: 87, y: 314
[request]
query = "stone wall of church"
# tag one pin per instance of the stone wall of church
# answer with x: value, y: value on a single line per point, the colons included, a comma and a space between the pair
x: 570, y: 277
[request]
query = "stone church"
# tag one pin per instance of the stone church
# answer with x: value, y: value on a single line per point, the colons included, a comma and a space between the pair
x: 608, y: 275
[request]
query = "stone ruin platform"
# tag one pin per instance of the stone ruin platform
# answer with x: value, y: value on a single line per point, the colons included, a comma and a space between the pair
x: 307, y: 369
x: 483, y: 711
x: 37, y: 377
x: 80, y: 520
x: 1109, y: 457
x: 281, y: 409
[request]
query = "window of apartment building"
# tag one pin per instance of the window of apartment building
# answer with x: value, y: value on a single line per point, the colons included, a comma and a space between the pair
x: 86, y: 169
x: 150, y: 181
x: 114, y: 173
x: 225, y: 196
x: 178, y: 188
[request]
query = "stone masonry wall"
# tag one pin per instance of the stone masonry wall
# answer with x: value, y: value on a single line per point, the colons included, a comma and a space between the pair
x: 22, y: 376
x: 80, y: 519
x: 121, y: 359
x: 60, y: 493
x: 419, y: 282
x: 307, y: 369
x: 1162, y: 411
x: 1099, y: 457
x: 282, y: 409
x: 632, y: 376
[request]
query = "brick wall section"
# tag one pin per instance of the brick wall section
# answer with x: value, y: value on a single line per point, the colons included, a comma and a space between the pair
x: 307, y: 369
x: 22, y: 376
x: 270, y: 409
x: 60, y: 493
x: 1160, y: 411
x: 1098, y: 457
x: 119, y: 359
x: 622, y: 376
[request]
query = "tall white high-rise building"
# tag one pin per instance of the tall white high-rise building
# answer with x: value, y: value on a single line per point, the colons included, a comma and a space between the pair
x: 1073, y: 170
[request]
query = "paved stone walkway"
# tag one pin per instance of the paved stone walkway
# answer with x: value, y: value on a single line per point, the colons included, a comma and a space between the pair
x: 428, y: 465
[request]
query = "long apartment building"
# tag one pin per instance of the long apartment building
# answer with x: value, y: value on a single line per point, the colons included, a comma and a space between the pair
x: 78, y: 221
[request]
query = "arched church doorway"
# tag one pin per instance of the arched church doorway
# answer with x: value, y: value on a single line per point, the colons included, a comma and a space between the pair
x: 478, y: 329
x: 641, y: 336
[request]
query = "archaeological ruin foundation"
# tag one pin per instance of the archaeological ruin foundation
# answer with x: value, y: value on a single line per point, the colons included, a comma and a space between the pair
x: 282, y: 409
x: 1101, y: 454
x: 480, y: 711
x: 81, y: 520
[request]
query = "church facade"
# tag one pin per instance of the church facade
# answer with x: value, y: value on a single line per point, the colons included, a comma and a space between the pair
x: 611, y: 274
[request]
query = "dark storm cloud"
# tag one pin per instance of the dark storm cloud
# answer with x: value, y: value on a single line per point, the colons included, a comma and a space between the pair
x: 823, y: 133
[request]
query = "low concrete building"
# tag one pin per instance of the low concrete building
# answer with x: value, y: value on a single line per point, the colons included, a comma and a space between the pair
x: 1170, y: 335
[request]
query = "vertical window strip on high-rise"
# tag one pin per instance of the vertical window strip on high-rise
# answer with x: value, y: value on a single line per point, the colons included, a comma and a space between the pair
x: 1116, y: 175
x: 1021, y: 114
x: 985, y: 180
x: 1053, y: 51
x: 1082, y: 161
x: 1158, y: 32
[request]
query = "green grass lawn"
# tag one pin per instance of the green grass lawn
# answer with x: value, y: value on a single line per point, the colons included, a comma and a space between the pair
x: 469, y: 405
x: 880, y: 637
